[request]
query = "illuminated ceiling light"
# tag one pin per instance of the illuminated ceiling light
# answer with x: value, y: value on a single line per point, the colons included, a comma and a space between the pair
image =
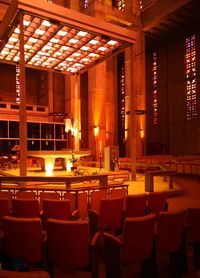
x: 85, y: 60
x: 73, y: 70
x: 73, y: 40
x: 54, y: 40
x: 93, y: 55
x: 82, y: 33
x: 9, y: 45
x: 33, y: 40
x: 46, y: 47
x: 58, y: 53
x: 62, y: 33
x: 4, y: 52
x: 63, y: 48
x: 40, y: 32
x: 76, y: 54
x: 17, y: 31
x: 93, y: 41
x: 111, y: 42
x: 13, y: 39
x: 26, y: 22
x: 27, y: 46
x: 16, y: 59
x: 51, y: 59
x: 77, y: 65
x: 85, y: 48
x: 102, y: 48
x: 43, y: 53
x: 69, y: 59
x: 46, y: 23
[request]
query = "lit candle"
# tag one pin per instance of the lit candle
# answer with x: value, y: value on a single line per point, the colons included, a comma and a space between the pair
x: 100, y: 146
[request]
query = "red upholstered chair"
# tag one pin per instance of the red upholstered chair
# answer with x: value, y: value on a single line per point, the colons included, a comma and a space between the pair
x: 135, y: 205
x: 25, y: 208
x: 7, y: 195
x: 82, y: 205
x: 157, y: 202
x: 23, y: 194
x: 119, y: 192
x: 48, y: 195
x: 22, y: 239
x: 69, y: 248
x: 57, y: 209
x: 5, y: 209
x: 28, y: 274
x: 72, y: 198
x: 109, y: 218
x: 135, y: 245
x: 96, y: 197
x: 170, y: 239
x: 193, y: 233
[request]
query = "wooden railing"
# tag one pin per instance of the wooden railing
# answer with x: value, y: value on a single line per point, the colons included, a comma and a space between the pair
x: 101, y: 178
x: 87, y: 187
x: 149, y: 181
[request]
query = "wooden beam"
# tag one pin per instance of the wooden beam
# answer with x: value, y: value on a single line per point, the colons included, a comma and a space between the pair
x: 156, y: 13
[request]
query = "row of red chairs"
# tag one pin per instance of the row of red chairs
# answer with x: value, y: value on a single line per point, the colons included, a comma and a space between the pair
x: 145, y: 238
x: 65, y: 246
x: 70, y: 248
x: 152, y: 202
x: 129, y: 206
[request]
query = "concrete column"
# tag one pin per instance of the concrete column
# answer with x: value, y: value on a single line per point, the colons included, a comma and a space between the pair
x: 50, y: 93
x: 75, y: 108
x: 131, y: 98
x: 22, y: 106
x: 111, y: 103
x: 96, y: 108
x: 139, y: 49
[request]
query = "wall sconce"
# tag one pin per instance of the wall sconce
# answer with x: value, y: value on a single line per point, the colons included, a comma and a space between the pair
x: 126, y: 134
x: 96, y: 131
x: 142, y: 133
x: 71, y: 127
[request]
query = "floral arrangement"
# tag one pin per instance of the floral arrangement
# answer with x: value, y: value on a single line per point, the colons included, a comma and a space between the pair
x: 73, y: 158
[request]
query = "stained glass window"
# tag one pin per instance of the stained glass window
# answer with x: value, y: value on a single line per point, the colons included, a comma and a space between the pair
x: 119, y: 4
x: 190, y: 75
x: 155, y: 89
x: 17, y: 85
x: 84, y: 4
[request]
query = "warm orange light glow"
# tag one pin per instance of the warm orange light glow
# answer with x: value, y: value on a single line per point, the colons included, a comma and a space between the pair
x: 56, y: 46
x: 96, y: 131
x: 49, y: 164
x: 142, y: 133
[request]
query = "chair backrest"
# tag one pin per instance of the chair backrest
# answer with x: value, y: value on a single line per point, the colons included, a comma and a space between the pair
x: 57, y: 209
x: 23, y: 238
x: 4, y: 208
x: 135, y: 205
x: 25, y: 208
x: 68, y: 243
x: 72, y: 198
x: 157, y: 201
x: 119, y: 192
x: 111, y: 214
x: 82, y: 204
x: 23, y: 194
x: 7, y: 195
x: 96, y: 197
x: 170, y: 231
x: 193, y: 225
x: 138, y: 238
x: 48, y: 195
x: 28, y: 274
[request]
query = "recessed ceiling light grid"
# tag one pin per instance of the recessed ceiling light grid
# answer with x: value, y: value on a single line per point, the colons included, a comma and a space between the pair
x: 52, y: 45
